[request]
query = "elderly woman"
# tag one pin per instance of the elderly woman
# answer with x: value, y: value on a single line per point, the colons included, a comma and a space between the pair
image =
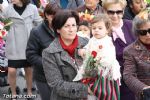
x: 137, y: 58
x: 61, y: 61
x: 122, y: 36
x: 39, y: 39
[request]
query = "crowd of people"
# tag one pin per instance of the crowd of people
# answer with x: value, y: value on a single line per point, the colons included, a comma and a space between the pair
x: 53, y: 48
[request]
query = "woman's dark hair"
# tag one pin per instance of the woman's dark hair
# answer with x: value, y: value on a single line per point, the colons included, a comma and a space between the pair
x: 25, y: 2
x: 61, y: 17
x: 85, y: 23
x: 51, y: 9
x: 129, y: 3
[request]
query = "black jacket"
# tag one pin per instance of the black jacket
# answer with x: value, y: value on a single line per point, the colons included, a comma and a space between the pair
x: 40, y: 38
x: 128, y: 14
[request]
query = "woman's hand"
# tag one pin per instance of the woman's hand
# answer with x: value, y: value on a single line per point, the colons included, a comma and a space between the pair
x: 81, y: 52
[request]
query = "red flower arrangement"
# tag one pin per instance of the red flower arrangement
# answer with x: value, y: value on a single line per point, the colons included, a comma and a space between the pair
x: 4, y: 26
x: 89, y: 69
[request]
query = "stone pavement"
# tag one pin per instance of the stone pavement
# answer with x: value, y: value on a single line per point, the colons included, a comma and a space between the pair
x: 22, y: 84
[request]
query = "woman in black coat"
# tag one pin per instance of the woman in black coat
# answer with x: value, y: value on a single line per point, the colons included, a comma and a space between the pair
x: 40, y: 38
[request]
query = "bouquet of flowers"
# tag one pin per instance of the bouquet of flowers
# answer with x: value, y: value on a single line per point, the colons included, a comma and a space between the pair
x: 86, y: 16
x: 4, y: 26
x: 99, y: 77
x: 89, y: 69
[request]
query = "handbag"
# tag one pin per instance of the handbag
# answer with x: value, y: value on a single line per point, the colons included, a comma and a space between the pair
x: 145, y: 94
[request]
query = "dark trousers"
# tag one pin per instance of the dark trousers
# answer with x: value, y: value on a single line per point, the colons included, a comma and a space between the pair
x: 44, y: 90
x: 125, y: 93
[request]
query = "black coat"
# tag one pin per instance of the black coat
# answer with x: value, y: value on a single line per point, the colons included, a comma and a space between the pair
x: 128, y: 14
x: 40, y: 38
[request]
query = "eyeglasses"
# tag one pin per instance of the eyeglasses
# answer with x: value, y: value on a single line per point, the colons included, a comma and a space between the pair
x: 111, y: 12
x: 143, y: 32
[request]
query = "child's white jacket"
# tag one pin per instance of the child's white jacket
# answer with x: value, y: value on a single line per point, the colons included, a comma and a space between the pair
x: 106, y: 53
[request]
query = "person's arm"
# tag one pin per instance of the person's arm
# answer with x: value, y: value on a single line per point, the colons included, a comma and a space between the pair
x: 33, y: 51
x: 55, y: 80
x: 130, y: 75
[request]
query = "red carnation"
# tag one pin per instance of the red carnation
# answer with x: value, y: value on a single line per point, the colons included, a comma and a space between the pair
x: 3, y: 33
x: 94, y: 54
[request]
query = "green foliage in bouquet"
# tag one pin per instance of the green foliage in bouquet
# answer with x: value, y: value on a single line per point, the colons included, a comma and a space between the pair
x: 7, y: 22
x: 91, y: 68
x: 147, y: 1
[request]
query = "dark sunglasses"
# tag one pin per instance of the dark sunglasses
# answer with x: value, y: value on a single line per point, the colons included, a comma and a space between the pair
x: 143, y: 32
x: 111, y: 12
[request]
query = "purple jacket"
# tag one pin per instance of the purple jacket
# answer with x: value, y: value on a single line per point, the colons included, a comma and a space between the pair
x: 120, y: 45
x: 126, y: 94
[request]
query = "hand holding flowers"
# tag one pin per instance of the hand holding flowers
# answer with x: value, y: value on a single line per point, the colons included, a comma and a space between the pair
x: 89, y: 69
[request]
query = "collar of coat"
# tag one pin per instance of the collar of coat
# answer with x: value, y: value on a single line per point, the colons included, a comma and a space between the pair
x: 57, y: 47
x: 29, y: 10
x: 139, y: 46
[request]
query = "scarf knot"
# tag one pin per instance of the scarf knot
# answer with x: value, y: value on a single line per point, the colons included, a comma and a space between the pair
x: 118, y: 33
x: 71, y: 48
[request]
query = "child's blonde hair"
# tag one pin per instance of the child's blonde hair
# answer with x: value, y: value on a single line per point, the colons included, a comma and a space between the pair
x: 103, y: 17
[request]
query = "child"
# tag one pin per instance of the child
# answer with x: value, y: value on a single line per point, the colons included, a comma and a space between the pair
x: 109, y: 68
x: 84, y: 29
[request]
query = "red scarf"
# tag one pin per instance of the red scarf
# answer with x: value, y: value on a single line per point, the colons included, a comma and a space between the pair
x: 71, y: 48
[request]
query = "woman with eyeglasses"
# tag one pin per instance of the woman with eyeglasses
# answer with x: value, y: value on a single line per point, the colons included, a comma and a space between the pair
x: 122, y: 36
x: 137, y: 58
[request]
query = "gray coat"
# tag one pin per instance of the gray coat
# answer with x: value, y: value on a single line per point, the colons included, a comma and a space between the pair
x: 72, y: 4
x: 19, y: 32
x: 136, y: 67
x: 60, y: 70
